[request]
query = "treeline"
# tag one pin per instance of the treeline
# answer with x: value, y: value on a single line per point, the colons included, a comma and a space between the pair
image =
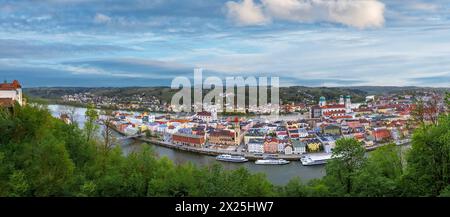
x: 42, y: 156
x: 165, y: 94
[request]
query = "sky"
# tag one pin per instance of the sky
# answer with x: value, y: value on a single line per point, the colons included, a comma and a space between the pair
x: 150, y: 42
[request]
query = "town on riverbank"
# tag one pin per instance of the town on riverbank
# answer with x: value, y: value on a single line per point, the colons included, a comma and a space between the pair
x: 378, y: 121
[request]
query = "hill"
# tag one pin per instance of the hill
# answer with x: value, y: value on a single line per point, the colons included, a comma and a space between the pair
x: 287, y: 94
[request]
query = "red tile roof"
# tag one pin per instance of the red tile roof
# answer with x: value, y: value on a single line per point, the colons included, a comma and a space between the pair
x: 218, y: 133
x: 333, y: 106
x: 330, y: 113
x: 10, y: 86
x: 381, y: 134
x: 204, y: 113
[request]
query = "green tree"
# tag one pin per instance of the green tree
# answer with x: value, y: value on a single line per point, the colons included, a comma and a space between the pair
x: 87, y: 189
x: 381, y: 173
x: 295, y: 188
x: 428, y: 161
x: 318, y: 188
x: 445, y: 192
x: 348, y: 159
x: 18, y: 184
x: 90, y: 127
x: 148, y: 134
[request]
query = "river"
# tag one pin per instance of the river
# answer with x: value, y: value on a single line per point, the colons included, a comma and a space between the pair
x: 277, y: 174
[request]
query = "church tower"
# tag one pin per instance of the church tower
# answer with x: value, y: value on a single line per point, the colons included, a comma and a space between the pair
x: 322, y: 101
x: 348, y: 104
x: 341, y: 100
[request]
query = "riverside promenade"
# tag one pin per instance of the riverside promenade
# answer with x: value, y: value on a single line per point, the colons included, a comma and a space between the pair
x: 214, y: 152
x: 205, y: 151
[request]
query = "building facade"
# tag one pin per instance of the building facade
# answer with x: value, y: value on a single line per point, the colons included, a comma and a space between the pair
x: 11, y: 93
x: 224, y: 137
x: 188, y: 139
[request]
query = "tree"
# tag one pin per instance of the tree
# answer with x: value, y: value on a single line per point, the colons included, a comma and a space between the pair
x: 295, y: 188
x: 418, y: 113
x: 381, y: 174
x: 317, y: 188
x: 426, y: 111
x: 18, y: 184
x: 428, y: 170
x: 108, y: 139
x: 347, y: 160
x: 148, y: 134
x: 71, y: 111
x: 447, y: 101
x: 90, y: 127
x: 445, y: 192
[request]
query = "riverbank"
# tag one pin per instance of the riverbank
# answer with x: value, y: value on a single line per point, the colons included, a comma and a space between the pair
x: 207, y: 151
x: 214, y: 152
x: 277, y: 174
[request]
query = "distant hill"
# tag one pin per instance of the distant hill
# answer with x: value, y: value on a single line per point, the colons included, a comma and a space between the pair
x: 380, y: 90
x: 287, y: 94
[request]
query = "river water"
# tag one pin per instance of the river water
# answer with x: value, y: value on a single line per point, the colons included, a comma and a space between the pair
x: 277, y: 174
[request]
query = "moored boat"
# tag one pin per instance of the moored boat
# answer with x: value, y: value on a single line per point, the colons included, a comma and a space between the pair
x: 272, y: 162
x: 315, y: 159
x: 231, y: 158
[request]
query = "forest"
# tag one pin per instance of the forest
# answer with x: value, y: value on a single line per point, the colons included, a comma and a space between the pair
x: 41, y: 156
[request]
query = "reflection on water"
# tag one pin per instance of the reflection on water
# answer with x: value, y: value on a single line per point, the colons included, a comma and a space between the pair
x: 278, y: 174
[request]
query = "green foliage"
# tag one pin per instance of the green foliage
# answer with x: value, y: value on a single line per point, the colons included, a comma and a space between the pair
x: 348, y: 159
x: 428, y: 171
x: 445, y: 192
x: 42, y: 156
x: 18, y: 184
x: 295, y: 188
x: 90, y: 128
x: 381, y: 173
x: 447, y: 99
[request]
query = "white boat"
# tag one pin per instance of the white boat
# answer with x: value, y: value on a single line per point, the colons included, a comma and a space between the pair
x: 231, y: 158
x: 315, y: 159
x: 272, y: 162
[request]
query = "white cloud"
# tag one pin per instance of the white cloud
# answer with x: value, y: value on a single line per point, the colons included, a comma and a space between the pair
x: 355, y: 13
x: 101, y: 18
x: 246, y: 13
x: 82, y: 70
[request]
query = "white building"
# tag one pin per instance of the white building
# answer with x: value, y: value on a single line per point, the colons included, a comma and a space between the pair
x: 204, y: 116
x: 130, y: 130
x: 302, y: 133
x: 256, y: 146
x: 281, y: 147
x: 288, y: 149
x: 298, y: 147
x: 11, y: 93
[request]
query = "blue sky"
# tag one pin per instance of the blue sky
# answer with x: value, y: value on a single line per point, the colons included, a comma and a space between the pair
x: 149, y: 42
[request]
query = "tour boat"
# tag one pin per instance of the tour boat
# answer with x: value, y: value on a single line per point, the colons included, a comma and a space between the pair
x: 315, y: 159
x: 272, y: 162
x: 231, y: 158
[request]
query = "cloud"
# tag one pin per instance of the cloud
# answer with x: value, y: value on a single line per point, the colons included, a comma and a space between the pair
x: 101, y: 18
x: 424, y: 6
x: 246, y: 13
x: 355, y: 13
x: 39, y: 49
x: 437, y: 80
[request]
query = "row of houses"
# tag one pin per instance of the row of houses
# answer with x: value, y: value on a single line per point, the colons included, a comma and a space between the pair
x: 274, y: 145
